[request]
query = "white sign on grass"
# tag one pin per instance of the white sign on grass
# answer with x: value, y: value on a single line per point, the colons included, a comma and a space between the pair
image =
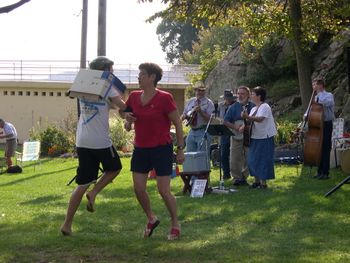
x: 198, y: 187
x: 31, y: 151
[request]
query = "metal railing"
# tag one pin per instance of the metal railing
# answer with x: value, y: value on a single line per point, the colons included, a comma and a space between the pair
x: 66, y: 70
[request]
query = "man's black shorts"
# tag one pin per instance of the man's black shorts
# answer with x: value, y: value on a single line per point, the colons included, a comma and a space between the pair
x: 160, y: 158
x: 89, y: 162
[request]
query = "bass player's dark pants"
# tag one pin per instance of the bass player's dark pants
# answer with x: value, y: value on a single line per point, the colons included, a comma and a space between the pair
x: 323, y: 168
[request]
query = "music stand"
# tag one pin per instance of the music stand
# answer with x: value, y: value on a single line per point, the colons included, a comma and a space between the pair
x: 219, y: 130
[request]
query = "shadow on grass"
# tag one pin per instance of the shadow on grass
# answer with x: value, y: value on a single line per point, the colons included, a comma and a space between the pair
x: 43, y: 200
x: 35, y: 176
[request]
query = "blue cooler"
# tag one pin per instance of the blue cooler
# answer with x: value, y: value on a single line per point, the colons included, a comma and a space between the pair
x: 196, y: 162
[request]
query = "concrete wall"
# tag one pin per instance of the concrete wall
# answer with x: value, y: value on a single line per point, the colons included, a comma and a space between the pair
x: 26, y: 104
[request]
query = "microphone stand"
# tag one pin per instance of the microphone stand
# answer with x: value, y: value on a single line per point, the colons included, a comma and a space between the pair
x: 204, y: 137
x: 217, y: 130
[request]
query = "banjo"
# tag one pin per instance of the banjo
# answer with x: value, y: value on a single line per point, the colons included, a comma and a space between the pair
x: 236, y: 134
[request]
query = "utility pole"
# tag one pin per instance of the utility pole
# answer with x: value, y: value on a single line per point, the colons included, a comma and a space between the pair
x: 83, y: 34
x: 101, y: 42
x: 83, y: 42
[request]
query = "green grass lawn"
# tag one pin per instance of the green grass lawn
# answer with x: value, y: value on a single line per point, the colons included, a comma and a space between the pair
x: 291, y: 221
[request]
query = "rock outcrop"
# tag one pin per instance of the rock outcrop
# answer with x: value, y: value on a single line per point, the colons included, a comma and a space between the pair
x: 330, y: 62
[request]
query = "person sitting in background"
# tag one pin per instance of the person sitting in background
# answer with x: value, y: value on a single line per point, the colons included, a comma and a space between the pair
x: 10, y: 134
x: 262, y: 144
x: 223, y: 106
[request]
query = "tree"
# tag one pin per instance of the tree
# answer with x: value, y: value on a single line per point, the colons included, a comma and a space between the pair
x: 176, y: 37
x: 212, y: 46
x: 9, y: 8
x: 300, y: 21
x: 223, y: 38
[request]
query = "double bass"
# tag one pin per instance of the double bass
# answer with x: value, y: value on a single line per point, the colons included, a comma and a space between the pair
x: 313, y: 136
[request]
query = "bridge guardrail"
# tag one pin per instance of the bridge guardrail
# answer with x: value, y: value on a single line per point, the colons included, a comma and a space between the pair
x: 66, y: 70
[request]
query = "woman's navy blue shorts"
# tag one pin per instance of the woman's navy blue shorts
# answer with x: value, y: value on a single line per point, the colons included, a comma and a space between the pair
x: 159, y: 158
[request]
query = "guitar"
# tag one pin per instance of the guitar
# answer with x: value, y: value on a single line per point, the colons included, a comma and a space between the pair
x: 237, y: 135
x: 190, y: 117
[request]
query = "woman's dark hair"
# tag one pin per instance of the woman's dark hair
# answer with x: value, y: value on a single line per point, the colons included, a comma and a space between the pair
x: 152, y: 68
x: 260, y: 91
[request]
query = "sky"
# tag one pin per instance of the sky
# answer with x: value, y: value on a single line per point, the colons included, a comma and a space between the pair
x: 51, y: 30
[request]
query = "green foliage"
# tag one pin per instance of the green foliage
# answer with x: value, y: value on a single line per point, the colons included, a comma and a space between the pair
x: 69, y: 125
x: 176, y: 37
x: 285, y: 131
x: 294, y: 116
x: 223, y: 38
x: 261, y: 19
x: 53, y: 140
x: 283, y: 88
x: 121, y: 139
x: 56, y: 139
x: 212, y: 46
x: 208, y: 61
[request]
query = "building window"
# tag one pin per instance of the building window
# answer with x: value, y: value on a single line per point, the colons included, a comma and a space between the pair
x: 28, y: 93
x: 59, y: 94
x: 12, y: 93
x: 20, y: 93
x: 35, y: 93
x: 43, y: 93
x: 5, y: 92
x: 51, y: 94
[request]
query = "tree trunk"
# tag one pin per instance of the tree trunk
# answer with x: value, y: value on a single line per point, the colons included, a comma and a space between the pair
x: 302, y: 56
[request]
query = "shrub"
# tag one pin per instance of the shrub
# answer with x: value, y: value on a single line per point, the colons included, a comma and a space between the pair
x: 285, y: 130
x: 69, y: 126
x: 121, y: 139
x: 53, y: 140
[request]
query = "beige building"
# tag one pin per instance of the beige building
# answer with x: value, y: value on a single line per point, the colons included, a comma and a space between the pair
x: 28, y: 103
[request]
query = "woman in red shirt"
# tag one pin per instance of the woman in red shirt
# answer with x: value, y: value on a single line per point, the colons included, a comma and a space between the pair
x: 153, y: 111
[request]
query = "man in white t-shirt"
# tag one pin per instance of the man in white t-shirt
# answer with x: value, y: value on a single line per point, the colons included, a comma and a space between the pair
x: 10, y: 134
x: 94, y: 146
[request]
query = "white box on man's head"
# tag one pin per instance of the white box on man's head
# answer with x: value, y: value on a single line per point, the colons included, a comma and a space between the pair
x: 94, y: 85
x: 196, y: 162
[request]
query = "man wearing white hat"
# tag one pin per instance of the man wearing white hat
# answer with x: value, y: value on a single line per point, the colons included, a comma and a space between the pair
x: 197, y: 112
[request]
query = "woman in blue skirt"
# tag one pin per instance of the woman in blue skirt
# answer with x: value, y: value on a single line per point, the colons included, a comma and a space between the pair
x: 261, y: 149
